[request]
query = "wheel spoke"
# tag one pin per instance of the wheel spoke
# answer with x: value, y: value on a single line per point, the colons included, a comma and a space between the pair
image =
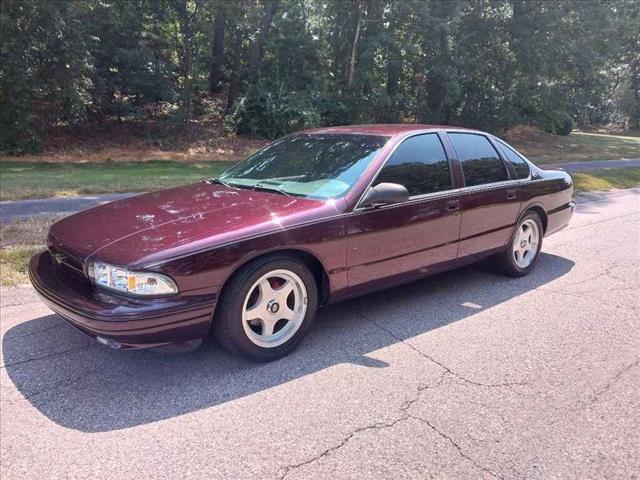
x: 287, y: 313
x: 255, y: 313
x: 266, y: 290
x: 267, y: 326
x: 285, y: 290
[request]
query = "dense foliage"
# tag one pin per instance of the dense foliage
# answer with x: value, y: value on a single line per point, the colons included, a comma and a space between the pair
x: 282, y: 65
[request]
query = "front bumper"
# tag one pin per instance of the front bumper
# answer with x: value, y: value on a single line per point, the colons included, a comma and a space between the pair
x: 124, y: 322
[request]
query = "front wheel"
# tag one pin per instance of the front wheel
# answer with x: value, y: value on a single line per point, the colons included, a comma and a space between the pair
x: 266, y: 308
x: 523, y: 251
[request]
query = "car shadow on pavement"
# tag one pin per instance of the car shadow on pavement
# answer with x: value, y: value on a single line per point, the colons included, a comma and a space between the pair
x: 82, y: 385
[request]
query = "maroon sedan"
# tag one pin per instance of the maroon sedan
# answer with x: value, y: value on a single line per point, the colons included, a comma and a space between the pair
x: 313, y: 218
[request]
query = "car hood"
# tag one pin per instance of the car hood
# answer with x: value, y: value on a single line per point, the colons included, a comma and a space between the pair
x: 157, y: 226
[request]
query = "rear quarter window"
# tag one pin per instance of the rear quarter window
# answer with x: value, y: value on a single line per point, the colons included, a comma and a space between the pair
x: 520, y: 165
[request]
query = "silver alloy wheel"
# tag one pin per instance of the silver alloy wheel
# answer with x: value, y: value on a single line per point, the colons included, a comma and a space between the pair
x: 525, y: 243
x: 274, y: 308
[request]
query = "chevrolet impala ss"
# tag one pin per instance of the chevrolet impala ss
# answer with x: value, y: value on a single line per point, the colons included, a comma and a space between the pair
x: 313, y: 218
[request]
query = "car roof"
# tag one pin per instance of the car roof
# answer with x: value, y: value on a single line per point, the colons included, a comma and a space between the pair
x: 391, y: 129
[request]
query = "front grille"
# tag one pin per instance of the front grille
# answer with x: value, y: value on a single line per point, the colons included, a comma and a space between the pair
x: 67, y: 262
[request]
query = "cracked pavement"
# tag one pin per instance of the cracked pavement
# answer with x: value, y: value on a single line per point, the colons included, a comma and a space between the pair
x: 463, y: 375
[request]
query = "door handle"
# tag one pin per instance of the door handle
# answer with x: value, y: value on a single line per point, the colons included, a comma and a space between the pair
x: 512, y: 194
x: 453, y: 205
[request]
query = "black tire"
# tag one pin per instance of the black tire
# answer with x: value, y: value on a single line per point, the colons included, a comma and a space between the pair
x: 227, y: 326
x: 505, y: 262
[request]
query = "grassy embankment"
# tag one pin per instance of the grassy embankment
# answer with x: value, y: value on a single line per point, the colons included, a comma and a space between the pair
x: 542, y: 148
x: 606, y: 179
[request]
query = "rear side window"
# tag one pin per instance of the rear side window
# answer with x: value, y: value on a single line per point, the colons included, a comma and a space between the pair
x: 480, y: 161
x: 420, y: 164
x: 519, y: 164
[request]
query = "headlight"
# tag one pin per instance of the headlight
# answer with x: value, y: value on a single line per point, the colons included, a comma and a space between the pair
x: 136, y: 283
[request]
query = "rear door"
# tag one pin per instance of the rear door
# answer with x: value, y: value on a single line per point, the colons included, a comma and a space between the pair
x: 490, y: 196
x: 409, y: 238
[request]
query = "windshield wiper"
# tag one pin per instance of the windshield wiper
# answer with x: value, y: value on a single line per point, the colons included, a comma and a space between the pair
x: 257, y: 186
x: 272, y: 188
x: 219, y: 182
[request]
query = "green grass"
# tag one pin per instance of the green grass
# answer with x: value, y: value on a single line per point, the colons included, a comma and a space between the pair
x: 20, y: 180
x: 13, y: 264
x: 543, y: 148
x: 20, y: 239
x: 606, y: 179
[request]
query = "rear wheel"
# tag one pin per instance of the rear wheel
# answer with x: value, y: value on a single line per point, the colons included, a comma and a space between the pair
x: 266, y: 308
x: 523, y: 251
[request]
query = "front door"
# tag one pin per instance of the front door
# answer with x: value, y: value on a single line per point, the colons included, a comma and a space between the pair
x: 397, y: 241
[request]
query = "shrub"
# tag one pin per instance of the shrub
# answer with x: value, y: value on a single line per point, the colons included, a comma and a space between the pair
x: 556, y: 122
x: 269, y: 115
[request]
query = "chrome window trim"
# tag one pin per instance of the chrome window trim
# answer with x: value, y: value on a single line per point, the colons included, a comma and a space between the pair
x: 446, y: 193
x: 433, y: 131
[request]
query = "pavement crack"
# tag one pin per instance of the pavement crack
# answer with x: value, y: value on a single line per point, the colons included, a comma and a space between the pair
x: 440, y: 364
x: 39, y: 332
x: 613, y: 381
x: 404, y: 410
x: 582, y: 404
x: 455, y: 445
x: 376, y: 426
x: 66, y: 382
x: 50, y: 355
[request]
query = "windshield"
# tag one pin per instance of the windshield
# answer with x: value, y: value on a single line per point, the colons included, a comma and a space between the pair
x: 307, y: 165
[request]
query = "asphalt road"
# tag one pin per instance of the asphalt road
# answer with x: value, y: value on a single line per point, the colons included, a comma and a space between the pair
x: 14, y: 209
x: 464, y: 375
x: 594, y: 165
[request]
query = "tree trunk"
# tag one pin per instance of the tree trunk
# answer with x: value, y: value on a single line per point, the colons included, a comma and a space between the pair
x: 187, y: 21
x: 635, y: 91
x: 217, y: 50
x: 351, y: 64
x: 394, y: 56
x: 257, y: 46
x: 234, y: 82
x: 437, y: 79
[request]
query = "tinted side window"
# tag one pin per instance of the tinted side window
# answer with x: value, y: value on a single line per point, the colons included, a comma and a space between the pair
x: 519, y: 164
x: 420, y: 164
x: 480, y: 161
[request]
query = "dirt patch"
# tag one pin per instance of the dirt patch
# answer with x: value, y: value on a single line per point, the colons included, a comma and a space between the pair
x: 27, y: 231
x: 19, y: 241
x: 115, y: 141
x: 542, y: 147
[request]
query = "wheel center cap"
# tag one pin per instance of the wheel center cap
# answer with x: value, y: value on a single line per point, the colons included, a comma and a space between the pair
x: 273, y: 306
x: 523, y: 244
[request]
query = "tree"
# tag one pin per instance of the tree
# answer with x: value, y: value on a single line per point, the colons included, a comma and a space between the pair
x: 290, y: 64
x: 217, y: 48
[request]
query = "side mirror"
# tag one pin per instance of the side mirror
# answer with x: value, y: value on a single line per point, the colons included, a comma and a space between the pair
x: 385, y: 194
